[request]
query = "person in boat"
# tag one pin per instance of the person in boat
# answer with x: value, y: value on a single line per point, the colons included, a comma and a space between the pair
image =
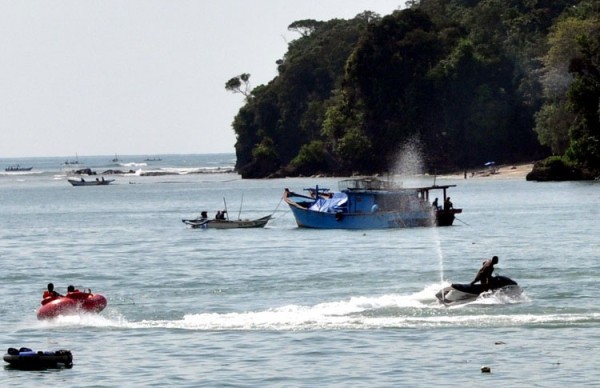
x: 51, y: 293
x: 435, y: 203
x: 220, y: 215
x: 71, y: 288
x: 484, y: 275
x: 448, y: 204
x: 204, y: 215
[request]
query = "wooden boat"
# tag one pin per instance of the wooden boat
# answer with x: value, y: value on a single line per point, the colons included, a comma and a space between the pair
x: 206, y: 223
x: 370, y: 203
x: 222, y: 221
x: 27, y: 359
x: 17, y: 168
x: 83, y: 182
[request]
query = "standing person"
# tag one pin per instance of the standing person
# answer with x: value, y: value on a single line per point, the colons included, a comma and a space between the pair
x: 448, y: 204
x: 435, y: 203
x: 484, y: 275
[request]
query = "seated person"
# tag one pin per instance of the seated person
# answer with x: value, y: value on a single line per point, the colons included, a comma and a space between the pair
x: 50, y: 293
x: 72, y: 289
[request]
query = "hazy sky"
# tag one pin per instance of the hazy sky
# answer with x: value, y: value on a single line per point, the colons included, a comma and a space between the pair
x: 144, y: 77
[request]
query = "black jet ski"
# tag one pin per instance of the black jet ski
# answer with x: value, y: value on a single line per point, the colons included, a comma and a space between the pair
x: 462, y: 293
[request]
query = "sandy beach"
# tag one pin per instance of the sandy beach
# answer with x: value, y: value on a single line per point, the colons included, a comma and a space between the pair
x: 507, y: 171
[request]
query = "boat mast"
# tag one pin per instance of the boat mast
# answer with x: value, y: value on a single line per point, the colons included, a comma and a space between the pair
x: 240, y: 212
x: 226, y: 212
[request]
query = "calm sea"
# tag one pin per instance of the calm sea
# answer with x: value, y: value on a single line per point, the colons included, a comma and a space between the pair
x: 283, y: 306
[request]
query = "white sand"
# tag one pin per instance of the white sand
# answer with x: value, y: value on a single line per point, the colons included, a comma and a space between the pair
x: 509, y: 171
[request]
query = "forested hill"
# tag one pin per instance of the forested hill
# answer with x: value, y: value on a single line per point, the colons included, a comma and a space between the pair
x: 457, y: 82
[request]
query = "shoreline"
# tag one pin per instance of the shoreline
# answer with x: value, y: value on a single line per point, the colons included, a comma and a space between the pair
x: 505, y: 171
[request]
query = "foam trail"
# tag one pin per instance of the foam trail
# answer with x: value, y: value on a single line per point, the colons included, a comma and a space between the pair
x: 420, y: 309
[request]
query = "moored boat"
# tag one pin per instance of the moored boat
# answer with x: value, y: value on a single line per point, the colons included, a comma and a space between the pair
x: 25, y: 358
x: 370, y: 203
x: 70, y: 304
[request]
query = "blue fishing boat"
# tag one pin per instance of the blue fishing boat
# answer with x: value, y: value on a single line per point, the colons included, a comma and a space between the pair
x: 370, y: 203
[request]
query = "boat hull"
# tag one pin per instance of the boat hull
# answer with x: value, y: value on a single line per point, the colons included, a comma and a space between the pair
x: 25, y: 358
x: 382, y: 220
x: 72, y: 303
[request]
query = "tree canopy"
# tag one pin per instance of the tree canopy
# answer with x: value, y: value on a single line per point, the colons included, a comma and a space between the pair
x: 472, y: 81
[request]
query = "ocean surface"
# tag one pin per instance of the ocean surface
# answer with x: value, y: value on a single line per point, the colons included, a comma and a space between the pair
x: 289, y: 307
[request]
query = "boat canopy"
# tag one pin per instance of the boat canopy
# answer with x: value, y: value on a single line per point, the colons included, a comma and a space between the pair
x: 330, y: 205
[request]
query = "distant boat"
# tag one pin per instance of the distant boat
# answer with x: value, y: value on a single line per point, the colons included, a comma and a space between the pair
x: 17, y: 168
x: 116, y: 159
x: 83, y: 182
x: 69, y: 162
x: 370, y: 203
x: 227, y: 224
x: 152, y: 160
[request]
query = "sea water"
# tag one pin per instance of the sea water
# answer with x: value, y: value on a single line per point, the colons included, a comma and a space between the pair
x: 283, y: 306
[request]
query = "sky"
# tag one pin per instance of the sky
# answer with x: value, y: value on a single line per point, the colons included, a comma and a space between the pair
x: 140, y: 77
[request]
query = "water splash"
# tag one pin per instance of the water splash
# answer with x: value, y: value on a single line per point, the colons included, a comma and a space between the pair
x: 409, y: 160
x: 419, y: 309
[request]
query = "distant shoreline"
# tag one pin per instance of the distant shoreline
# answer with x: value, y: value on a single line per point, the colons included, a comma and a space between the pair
x: 507, y: 171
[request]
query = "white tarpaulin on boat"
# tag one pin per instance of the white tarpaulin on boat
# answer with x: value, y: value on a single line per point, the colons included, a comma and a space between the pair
x: 333, y: 204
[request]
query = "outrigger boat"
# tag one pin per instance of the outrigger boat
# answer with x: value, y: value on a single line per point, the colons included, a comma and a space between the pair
x: 227, y: 224
x: 222, y: 221
x: 370, y: 203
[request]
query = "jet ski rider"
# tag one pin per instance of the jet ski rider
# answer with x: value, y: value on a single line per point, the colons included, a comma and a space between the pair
x: 484, y: 275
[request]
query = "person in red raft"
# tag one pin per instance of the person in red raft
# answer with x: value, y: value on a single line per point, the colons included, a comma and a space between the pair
x: 50, y: 292
x: 55, y: 304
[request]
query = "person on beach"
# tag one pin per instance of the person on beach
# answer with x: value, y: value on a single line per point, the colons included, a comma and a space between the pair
x: 484, y: 275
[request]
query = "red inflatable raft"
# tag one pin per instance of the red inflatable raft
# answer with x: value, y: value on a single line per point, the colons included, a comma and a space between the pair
x: 72, y: 303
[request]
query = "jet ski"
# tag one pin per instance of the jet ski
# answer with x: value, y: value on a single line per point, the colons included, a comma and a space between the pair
x: 465, y: 292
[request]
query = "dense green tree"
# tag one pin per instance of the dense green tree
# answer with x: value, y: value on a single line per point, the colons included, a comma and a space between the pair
x: 469, y: 78
x: 584, y: 97
x: 554, y: 119
x: 290, y: 110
